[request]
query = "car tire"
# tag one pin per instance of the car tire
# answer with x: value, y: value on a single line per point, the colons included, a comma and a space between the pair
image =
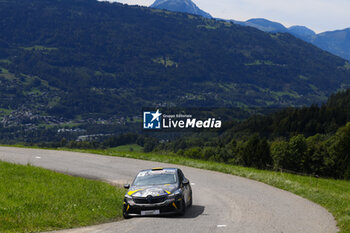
x: 126, y: 216
x: 183, y: 208
x: 190, y: 203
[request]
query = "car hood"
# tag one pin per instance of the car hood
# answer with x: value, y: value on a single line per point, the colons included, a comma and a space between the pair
x: 154, y: 190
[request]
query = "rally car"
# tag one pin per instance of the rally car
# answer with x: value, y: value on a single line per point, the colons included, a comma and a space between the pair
x: 157, y: 191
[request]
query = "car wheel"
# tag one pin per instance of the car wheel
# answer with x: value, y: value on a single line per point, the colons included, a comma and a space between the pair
x: 125, y: 214
x: 183, y: 208
x: 190, y: 203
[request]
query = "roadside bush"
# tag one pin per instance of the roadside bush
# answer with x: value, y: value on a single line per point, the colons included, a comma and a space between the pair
x: 208, y: 152
x: 194, y: 153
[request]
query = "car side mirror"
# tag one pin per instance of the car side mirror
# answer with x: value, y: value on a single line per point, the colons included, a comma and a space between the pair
x: 126, y: 186
x: 185, y: 182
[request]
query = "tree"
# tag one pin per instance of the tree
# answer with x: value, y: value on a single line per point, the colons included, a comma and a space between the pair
x: 255, y: 153
x: 316, y: 152
x: 279, y: 154
x: 297, y: 153
x: 341, y: 150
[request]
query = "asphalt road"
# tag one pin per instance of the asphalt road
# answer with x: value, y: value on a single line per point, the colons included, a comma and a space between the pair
x: 221, y: 203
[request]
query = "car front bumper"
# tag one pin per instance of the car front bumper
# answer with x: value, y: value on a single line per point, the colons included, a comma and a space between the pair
x: 167, y: 207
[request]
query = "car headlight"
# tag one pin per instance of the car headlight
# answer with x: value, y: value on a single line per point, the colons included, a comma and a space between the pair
x: 129, y: 200
x: 175, y: 195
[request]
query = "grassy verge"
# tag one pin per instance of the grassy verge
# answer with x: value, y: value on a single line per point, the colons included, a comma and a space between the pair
x: 34, y: 199
x: 128, y: 148
x: 332, y: 194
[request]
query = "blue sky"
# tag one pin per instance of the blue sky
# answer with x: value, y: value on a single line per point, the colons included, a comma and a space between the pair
x: 319, y: 15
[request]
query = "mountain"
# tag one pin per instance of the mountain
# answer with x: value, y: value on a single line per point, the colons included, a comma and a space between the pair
x: 64, y: 63
x: 336, y: 42
x: 266, y: 25
x: 302, y: 32
x: 185, y: 6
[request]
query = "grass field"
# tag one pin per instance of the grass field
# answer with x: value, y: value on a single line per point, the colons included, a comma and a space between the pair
x: 34, y: 199
x: 332, y: 194
x: 128, y: 148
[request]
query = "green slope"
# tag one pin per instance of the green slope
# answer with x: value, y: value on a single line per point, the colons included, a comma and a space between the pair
x: 34, y: 199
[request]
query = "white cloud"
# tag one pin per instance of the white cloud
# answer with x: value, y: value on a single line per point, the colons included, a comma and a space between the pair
x: 320, y: 15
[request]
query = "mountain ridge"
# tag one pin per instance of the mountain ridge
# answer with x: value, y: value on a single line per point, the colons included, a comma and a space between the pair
x: 328, y: 41
x: 336, y: 42
x: 185, y: 6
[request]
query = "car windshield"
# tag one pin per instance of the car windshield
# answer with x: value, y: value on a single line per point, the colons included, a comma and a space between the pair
x: 155, y: 178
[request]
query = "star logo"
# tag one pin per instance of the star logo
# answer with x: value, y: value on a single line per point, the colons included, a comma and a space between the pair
x: 152, y: 120
x: 156, y: 115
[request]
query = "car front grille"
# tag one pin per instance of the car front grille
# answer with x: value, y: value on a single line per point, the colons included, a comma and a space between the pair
x: 149, y: 200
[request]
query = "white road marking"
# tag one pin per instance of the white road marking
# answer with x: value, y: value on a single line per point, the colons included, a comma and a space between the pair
x: 221, y: 226
x: 38, y: 157
x: 193, y: 184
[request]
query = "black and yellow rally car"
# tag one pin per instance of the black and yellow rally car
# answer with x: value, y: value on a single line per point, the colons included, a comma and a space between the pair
x: 157, y: 191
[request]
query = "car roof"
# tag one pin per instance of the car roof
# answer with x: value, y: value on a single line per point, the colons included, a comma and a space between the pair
x: 159, y: 169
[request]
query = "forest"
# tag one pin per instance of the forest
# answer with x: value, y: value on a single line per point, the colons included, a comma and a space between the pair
x: 309, y: 140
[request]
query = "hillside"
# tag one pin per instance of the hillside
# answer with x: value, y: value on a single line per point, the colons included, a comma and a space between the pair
x: 324, y: 119
x: 65, y: 60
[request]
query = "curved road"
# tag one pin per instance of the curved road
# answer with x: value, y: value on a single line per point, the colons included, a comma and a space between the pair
x: 221, y: 202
